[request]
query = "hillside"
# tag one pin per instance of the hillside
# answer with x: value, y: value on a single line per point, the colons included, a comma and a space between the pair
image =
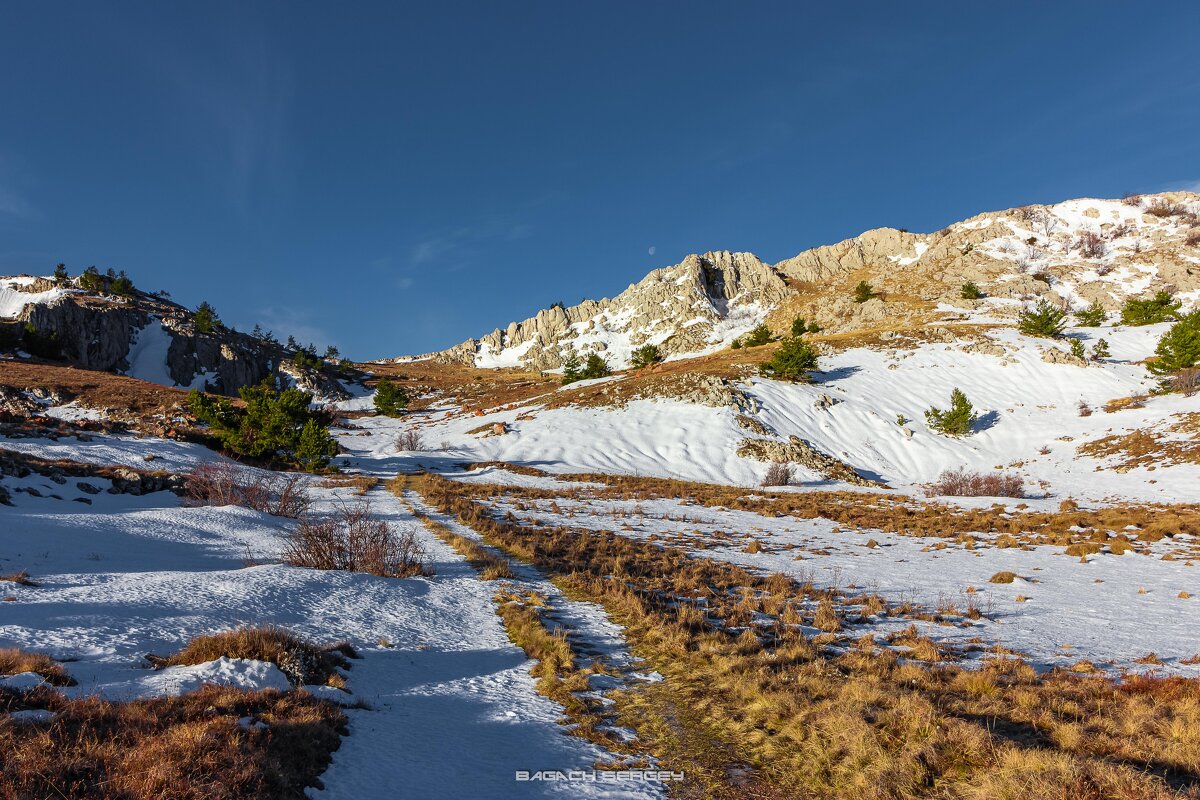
x: 690, y: 579
x: 1075, y: 252
x: 85, y: 322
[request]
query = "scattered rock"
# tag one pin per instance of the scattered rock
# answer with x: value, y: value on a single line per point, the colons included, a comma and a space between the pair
x: 798, y: 451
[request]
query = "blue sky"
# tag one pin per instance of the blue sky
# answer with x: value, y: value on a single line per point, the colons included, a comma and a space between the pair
x: 393, y: 178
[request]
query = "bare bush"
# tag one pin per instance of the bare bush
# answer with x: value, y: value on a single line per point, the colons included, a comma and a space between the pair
x: 1120, y: 230
x: 1091, y: 245
x: 351, y: 539
x: 1186, y: 380
x: 1162, y: 208
x: 223, y: 484
x: 778, y: 474
x: 410, y: 441
x: 1132, y: 199
x: 964, y: 483
x: 1193, y: 239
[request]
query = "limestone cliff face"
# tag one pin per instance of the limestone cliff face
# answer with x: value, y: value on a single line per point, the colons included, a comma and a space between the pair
x: 149, y: 337
x: 1074, y: 253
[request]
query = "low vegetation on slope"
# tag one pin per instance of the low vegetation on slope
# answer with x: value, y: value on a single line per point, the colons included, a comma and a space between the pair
x: 274, y: 426
x: 747, y: 693
x: 192, y: 747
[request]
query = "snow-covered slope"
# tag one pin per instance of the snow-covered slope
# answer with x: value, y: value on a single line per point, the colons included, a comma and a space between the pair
x: 1030, y: 420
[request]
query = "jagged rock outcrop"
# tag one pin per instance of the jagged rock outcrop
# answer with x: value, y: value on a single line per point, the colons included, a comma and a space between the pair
x: 700, y: 303
x: 797, y: 451
x: 1013, y: 256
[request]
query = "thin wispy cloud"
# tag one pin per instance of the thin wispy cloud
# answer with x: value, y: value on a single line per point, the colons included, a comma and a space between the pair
x: 238, y: 98
x: 14, y: 202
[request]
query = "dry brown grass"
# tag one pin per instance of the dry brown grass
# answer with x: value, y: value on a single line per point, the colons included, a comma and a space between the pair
x: 491, y: 567
x: 557, y: 666
x: 303, y: 662
x: 190, y: 747
x: 901, y: 515
x: 1177, y: 443
x: 861, y: 723
x: 353, y: 540
x: 360, y: 483
x: 14, y: 661
x: 92, y: 389
x: 1003, y: 577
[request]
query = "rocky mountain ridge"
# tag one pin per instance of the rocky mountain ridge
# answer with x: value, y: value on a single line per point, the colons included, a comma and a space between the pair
x: 1073, y: 253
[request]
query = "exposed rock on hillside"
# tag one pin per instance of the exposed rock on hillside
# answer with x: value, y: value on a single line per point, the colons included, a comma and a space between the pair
x: 1076, y: 252
x: 144, y: 336
x: 798, y: 451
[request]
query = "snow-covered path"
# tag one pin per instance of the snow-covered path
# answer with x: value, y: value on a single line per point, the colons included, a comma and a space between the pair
x: 452, y: 707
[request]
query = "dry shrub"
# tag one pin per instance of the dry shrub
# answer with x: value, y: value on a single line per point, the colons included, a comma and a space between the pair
x: 1186, y: 380
x: 20, y: 578
x: 410, y: 441
x: 303, y: 662
x: 1193, y: 238
x: 222, y: 484
x: 964, y: 483
x: 14, y: 661
x: 1091, y: 245
x: 190, y: 747
x: 1164, y: 208
x: 351, y: 539
x: 778, y: 474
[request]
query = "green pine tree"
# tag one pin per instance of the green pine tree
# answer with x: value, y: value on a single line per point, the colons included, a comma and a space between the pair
x: 595, y: 367
x: 60, y: 274
x: 91, y: 280
x: 970, y: 291
x: 644, y: 356
x: 863, y: 292
x: 572, y: 370
x: 1160, y: 308
x: 121, y: 285
x: 957, y: 420
x: 1077, y: 349
x: 1045, y: 319
x: 206, y: 319
x: 390, y: 399
x: 793, y: 360
x: 1091, y: 317
x: 759, y: 336
x: 315, y: 447
x: 1179, y: 347
x: 1100, y: 350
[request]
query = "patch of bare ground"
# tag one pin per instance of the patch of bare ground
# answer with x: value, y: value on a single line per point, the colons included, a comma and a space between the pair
x: 190, y: 747
x: 433, y: 383
x: 751, y: 706
x: 1178, y: 443
x: 93, y: 389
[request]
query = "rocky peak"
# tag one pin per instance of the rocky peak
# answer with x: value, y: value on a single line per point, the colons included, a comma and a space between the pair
x: 1075, y: 252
